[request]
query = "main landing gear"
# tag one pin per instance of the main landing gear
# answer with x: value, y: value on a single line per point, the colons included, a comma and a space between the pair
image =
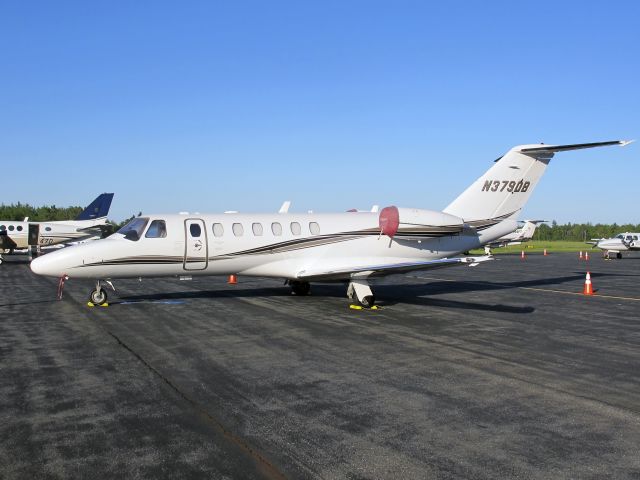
x: 358, y: 290
x: 361, y: 290
x: 299, y: 288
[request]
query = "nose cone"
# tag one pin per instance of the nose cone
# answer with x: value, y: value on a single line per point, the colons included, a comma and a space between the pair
x: 612, y: 244
x: 50, y: 265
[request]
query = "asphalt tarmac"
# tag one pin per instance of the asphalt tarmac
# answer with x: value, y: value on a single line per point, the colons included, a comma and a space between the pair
x: 504, y: 370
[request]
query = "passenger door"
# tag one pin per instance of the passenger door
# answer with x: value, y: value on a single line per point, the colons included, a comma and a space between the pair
x: 195, y: 245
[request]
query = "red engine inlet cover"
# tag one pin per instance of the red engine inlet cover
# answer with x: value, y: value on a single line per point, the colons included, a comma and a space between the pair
x: 389, y: 221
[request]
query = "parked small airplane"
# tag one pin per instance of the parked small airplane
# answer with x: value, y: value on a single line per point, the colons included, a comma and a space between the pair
x: 518, y: 236
x: 352, y: 247
x: 89, y: 224
x: 622, y: 242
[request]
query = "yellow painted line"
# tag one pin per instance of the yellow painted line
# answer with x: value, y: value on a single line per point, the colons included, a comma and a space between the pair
x: 610, y: 297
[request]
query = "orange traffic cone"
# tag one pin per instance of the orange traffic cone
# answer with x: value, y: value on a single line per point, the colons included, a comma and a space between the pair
x: 233, y: 279
x: 586, y: 256
x: 588, y: 286
x: 580, y: 257
x: 522, y: 255
x: 545, y: 252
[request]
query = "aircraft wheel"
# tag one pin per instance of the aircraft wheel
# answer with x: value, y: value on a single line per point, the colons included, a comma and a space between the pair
x: 98, y: 297
x: 368, y: 301
x: 618, y: 255
x: 300, y: 288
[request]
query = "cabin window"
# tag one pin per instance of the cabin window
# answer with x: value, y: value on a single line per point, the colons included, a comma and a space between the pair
x: 257, y: 229
x: 635, y: 237
x: 47, y: 229
x: 195, y: 230
x: 238, y: 230
x: 157, y: 229
x: 296, y: 229
x: 2, y: 228
x: 133, y: 230
x: 276, y: 228
x: 218, y: 229
x: 11, y: 228
x: 19, y: 228
x: 314, y: 228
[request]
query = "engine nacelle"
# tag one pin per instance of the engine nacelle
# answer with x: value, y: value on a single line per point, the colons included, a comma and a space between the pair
x: 417, y: 224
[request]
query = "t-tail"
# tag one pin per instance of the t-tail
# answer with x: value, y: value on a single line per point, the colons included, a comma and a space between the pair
x: 504, y: 189
x: 98, y: 209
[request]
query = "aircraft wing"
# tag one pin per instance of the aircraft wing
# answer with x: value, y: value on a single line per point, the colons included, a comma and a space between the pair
x: 103, y: 230
x: 378, y: 270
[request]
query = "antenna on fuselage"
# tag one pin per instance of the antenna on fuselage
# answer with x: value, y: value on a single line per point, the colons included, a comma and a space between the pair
x: 285, y: 207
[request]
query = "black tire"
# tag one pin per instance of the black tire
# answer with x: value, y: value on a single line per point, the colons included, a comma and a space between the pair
x: 618, y: 255
x: 368, y: 301
x: 300, y: 288
x: 98, y: 297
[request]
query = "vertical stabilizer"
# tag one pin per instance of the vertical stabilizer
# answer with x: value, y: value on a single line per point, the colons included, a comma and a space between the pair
x: 504, y: 189
x: 97, y: 209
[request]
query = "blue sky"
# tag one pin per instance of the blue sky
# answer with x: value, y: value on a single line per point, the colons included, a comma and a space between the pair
x: 211, y: 106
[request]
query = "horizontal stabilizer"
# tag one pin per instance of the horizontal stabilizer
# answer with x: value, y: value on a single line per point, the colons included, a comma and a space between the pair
x: 576, y: 146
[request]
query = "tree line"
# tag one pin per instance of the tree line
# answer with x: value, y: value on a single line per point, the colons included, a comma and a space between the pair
x: 47, y: 213
x: 18, y: 212
x: 580, y: 232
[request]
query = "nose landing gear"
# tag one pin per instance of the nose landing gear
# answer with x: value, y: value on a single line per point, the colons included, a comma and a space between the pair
x: 99, y: 295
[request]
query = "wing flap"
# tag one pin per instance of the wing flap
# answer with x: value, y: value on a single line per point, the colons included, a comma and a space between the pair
x: 377, y: 270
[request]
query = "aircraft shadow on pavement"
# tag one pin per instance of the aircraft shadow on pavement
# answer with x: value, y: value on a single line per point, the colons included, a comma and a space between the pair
x: 415, y: 293
x: 198, y: 294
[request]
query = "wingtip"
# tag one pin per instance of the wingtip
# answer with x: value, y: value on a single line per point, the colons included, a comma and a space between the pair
x: 624, y: 143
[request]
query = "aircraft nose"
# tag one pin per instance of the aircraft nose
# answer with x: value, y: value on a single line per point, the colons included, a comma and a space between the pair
x: 47, y: 265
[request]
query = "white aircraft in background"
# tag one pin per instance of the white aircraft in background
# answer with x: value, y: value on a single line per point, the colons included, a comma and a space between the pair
x: 518, y: 236
x: 622, y: 242
x: 351, y: 247
x: 89, y: 224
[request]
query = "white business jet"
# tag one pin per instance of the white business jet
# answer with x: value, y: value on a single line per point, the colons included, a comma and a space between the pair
x: 519, y: 235
x: 351, y: 247
x: 89, y: 224
x: 622, y: 242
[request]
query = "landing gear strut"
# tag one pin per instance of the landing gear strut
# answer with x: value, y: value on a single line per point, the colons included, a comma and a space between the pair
x: 99, y: 295
x: 299, y: 288
x: 361, y: 290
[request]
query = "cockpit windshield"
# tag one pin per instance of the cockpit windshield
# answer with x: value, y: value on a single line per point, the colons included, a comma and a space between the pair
x: 620, y: 236
x: 133, y: 230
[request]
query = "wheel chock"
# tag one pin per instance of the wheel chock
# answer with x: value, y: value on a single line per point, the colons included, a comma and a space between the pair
x: 355, y: 307
x: 91, y: 304
x: 375, y: 307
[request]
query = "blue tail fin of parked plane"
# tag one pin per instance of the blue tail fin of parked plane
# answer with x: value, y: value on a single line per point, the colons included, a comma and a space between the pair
x: 98, y: 208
